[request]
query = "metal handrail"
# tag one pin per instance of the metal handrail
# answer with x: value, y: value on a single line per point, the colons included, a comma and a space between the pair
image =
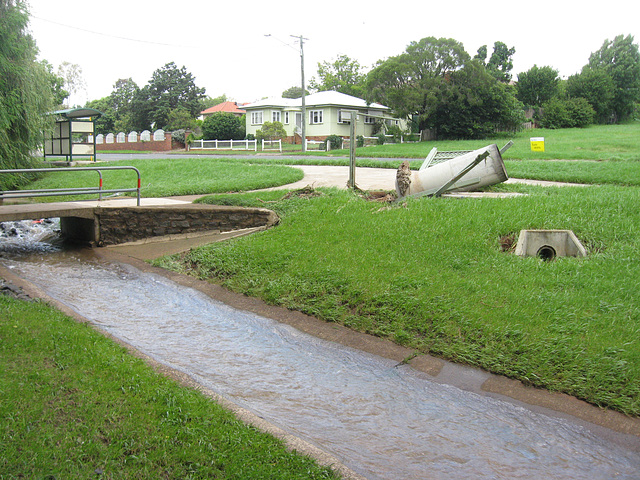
x: 47, y: 192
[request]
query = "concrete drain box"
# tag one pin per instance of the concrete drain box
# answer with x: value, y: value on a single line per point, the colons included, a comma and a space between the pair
x: 549, y: 244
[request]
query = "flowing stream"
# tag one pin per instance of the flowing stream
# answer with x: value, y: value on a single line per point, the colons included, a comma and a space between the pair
x: 382, y: 420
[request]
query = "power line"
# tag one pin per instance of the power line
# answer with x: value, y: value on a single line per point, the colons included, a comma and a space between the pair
x: 128, y: 39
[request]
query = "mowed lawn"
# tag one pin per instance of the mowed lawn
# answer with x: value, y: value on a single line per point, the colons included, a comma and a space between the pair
x: 432, y: 274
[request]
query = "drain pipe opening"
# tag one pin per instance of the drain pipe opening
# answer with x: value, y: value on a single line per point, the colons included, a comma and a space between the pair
x: 546, y: 253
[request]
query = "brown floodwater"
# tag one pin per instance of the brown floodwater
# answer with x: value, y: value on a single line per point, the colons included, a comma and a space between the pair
x: 382, y: 420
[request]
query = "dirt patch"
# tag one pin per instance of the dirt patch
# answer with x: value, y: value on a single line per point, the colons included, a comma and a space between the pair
x: 508, y: 242
x: 380, y: 196
x: 304, y: 192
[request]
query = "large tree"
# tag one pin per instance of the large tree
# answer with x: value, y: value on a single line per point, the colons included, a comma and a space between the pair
x: 409, y: 82
x: 342, y: 75
x: 596, y: 86
x: 57, y: 85
x: 71, y: 73
x: 436, y: 82
x: 620, y: 58
x: 473, y: 104
x: 170, y: 87
x: 537, y: 85
x: 106, y: 122
x: 500, y: 63
x: 25, y: 88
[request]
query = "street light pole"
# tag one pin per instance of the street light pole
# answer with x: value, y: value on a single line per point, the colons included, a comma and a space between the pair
x: 304, y: 106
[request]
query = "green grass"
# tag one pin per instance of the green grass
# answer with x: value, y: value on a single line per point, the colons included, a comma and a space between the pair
x: 613, y: 152
x: 178, y: 176
x: 431, y: 275
x: 625, y: 173
x: 598, y: 142
x: 73, y: 404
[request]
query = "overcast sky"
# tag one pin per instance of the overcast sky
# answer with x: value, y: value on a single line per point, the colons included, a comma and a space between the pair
x: 223, y: 43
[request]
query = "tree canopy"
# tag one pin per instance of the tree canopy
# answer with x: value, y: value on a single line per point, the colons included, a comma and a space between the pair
x: 25, y: 88
x: 500, y: 63
x: 170, y: 87
x: 596, y: 86
x: 71, y: 75
x: 537, y: 85
x: 436, y: 81
x: 170, y: 100
x: 294, y: 92
x: 620, y: 58
x: 343, y: 75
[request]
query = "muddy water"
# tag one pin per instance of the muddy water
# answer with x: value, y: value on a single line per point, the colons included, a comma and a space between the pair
x: 383, y: 421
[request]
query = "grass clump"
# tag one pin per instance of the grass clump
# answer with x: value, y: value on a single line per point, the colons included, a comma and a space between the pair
x: 432, y: 274
x: 73, y: 404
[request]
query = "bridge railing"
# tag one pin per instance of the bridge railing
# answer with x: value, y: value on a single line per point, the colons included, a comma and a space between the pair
x: 48, y: 192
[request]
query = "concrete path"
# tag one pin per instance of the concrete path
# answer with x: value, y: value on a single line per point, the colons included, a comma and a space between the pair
x: 338, y: 176
x: 385, y: 179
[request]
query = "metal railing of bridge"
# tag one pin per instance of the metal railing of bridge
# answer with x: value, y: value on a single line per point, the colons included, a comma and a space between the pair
x: 48, y: 192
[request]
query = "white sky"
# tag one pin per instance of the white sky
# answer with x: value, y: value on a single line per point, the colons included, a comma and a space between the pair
x: 223, y: 43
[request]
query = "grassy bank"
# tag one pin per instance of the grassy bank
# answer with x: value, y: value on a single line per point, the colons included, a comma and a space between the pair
x: 432, y: 274
x: 612, y: 153
x: 75, y: 405
x: 597, y: 142
x: 179, y: 176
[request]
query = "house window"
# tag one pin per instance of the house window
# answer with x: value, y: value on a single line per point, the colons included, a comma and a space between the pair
x: 344, y: 117
x: 369, y: 120
x: 315, y: 116
x: 256, y: 118
x: 276, y: 116
x: 286, y: 118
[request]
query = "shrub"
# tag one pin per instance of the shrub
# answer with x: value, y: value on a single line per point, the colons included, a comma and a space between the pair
x: 271, y: 131
x: 569, y: 113
x: 178, y: 136
x: 359, y: 141
x: 381, y: 138
x: 396, y: 132
x: 335, y: 141
x: 223, y: 126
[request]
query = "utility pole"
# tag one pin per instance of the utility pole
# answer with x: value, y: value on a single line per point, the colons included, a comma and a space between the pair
x: 304, y: 107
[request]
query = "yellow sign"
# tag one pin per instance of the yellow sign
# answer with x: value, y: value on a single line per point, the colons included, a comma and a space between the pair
x: 537, y: 144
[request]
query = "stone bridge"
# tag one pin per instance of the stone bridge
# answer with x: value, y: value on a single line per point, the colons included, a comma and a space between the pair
x: 112, y: 223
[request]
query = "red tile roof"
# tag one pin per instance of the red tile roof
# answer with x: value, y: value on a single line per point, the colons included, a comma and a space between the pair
x: 229, y: 107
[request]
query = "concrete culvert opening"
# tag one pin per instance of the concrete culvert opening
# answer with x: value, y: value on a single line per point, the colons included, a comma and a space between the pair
x: 549, y: 244
x: 547, y: 253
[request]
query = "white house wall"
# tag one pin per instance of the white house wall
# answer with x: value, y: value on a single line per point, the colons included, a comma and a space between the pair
x: 329, y: 125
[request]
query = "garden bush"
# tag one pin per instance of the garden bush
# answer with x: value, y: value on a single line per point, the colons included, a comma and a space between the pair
x: 569, y: 113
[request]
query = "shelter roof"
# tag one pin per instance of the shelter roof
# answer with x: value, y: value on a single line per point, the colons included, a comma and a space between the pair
x: 71, y: 113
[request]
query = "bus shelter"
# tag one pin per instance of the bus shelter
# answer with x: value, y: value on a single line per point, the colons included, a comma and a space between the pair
x: 73, y: 134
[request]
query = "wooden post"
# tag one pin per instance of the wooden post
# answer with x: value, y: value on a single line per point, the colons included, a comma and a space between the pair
x: 352, y: 151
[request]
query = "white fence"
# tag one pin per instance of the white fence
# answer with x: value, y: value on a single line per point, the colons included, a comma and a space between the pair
x: 224, y: 145
x: 315, y: 145
x: 269, y: 145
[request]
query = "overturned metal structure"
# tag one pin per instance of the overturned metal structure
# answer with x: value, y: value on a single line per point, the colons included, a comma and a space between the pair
x: 462, y: 171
